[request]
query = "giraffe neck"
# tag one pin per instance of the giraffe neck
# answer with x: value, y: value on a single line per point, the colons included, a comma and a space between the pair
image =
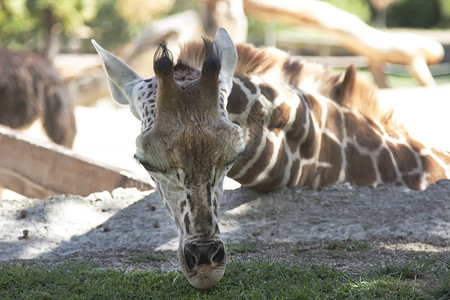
x: 299, y: 138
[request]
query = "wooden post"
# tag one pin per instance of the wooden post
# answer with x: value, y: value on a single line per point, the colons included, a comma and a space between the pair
x: 228, y: 14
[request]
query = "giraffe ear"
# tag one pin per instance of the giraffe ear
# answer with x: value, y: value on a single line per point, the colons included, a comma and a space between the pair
x: 227, y: 50
x: 121, y: 78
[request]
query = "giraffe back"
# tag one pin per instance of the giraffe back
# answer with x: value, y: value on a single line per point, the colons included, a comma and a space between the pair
x: 347, y: 89
x: 306, y: 125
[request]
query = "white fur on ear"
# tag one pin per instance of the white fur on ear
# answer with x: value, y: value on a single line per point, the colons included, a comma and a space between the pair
x: 121, y: 78
x: 226, y: 48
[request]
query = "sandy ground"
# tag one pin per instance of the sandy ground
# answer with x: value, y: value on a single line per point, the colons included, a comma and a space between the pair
x: 112, y: 228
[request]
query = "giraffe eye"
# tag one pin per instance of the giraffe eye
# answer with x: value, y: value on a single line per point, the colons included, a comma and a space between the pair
x: 244, y: 153
x: 149, y: 167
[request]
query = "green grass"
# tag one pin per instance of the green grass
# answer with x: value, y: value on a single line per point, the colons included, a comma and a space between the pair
x: 233, y: 248
x: 146, y: 257
x: 410, y: 270
x: 255, y: 280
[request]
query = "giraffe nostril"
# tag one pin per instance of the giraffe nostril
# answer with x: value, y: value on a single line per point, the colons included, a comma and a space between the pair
x: 189, y: 259
x: 219, y: 256
x: 210, y: 253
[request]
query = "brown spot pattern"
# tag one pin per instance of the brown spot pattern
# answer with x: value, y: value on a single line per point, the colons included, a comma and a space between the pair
x: 412, y: 181
x: 315, y: 108
x: 434, y: 170
x: 308, y: 175
x: 360, y: 169
x: 297, y: 130
x: 295, y: 168
x: 330, y: 152
x: 375, y: 127
x: 405, y: 158
x: 268, y: 91
x: 247, y: 83
x: 275, y: 177
x: 292, y: 70
x: 334, y: 122
x: 310, y: 146
x: 279, y: 117
x: 237, y: 101
x: 386, y: 167
x: 260, y: 164
x: 359, y: 130
x: 255, y: 123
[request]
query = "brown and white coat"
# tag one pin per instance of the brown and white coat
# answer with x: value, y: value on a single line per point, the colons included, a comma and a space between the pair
x: 266, y: 120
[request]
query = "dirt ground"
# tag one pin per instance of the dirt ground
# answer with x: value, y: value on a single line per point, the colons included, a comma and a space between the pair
x: 294, y: 225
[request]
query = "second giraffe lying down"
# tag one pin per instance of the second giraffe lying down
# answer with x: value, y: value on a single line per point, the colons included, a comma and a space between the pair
x: 264, y: 119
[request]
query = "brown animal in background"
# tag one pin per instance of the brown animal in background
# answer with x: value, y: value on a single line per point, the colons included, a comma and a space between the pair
x: 31, y: 88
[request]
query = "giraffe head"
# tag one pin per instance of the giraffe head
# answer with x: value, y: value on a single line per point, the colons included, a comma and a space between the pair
x: 188, y: 145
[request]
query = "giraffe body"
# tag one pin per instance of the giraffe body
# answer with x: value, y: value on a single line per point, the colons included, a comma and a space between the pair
x: 265, y: 120
x: 306, y: 126
x: 313, y: 138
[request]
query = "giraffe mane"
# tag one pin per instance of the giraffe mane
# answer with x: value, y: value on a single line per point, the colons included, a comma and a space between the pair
x: 349, y: 89
x: 200, y: 56
x: 192, y: 54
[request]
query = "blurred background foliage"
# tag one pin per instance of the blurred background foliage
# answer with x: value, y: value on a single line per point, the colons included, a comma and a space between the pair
x: 29, y: 24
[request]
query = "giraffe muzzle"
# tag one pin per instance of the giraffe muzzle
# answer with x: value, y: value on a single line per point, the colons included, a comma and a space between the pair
x: 203, y: 263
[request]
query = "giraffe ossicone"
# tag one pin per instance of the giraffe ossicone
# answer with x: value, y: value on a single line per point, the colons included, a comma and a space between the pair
x: 264, y: 119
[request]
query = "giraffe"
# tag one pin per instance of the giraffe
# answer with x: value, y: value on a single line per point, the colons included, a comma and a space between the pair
x: 266, y: 120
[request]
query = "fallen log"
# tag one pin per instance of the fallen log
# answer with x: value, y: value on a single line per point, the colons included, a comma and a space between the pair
x: 38, y: 169
x: 378, y: 46
x: 228, y: 14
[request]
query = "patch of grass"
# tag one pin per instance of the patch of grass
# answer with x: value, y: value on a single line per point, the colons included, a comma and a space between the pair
x: 434, y: 275
x: 410, y: 270
x: 348, y: 246
x: 298, y: 250
x: 441, y: 289
x: 233, y: 248
x: 255, y: 280
x: 145, y: 257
